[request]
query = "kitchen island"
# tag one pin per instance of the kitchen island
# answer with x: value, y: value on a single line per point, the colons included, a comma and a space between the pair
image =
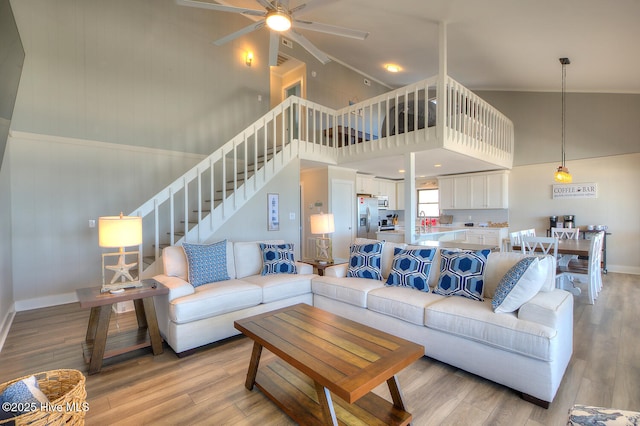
x: 484, y: 236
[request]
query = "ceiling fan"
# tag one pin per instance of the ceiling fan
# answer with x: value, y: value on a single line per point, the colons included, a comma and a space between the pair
x: 279, y: 18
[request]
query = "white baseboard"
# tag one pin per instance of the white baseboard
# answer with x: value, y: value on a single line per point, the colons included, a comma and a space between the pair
x: 6, y: 325
x: 621, y: 269
x: 46, y: 301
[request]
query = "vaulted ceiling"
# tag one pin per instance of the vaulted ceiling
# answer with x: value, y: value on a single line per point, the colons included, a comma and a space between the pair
x: 492, y: 44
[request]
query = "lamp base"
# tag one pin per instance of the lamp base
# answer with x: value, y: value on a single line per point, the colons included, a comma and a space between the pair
x: 323, y: 250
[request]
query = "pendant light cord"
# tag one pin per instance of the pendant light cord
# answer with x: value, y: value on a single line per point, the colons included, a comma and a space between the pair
x: 564, y: 78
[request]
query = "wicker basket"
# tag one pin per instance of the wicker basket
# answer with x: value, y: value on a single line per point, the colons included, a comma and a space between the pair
x: 66, y: 392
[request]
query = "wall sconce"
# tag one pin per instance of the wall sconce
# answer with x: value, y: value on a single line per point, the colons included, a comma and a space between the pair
x: 249, y: 59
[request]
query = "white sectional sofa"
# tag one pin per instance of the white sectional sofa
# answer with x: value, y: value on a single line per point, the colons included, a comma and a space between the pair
x: 527, y: 350
x: 189, y: 317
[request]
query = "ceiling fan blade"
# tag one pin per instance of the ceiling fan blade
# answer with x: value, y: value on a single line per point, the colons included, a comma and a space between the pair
x: 254, y: 26
x: 330, y: 29
x: 302, y: 41
x: 309, y: 6
x: 274, y: 45
x: 220, y: 7
x: 266, y: 4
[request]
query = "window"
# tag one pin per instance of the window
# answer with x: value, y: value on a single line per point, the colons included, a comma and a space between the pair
x: 428, y: 202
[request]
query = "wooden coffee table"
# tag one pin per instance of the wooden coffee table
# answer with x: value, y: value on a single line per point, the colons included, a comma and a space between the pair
x: 323, y: 354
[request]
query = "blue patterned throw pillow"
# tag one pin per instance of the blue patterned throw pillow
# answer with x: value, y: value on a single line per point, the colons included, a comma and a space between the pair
x: 365, y: 261
x: 411, y: 268
x: 523, y: 281
x: 25, y: 393
x: 207, y: 262
x: 462, y: 273
x: 277, y: 259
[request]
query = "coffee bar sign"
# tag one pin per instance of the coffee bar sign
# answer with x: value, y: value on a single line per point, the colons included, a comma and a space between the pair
x: 575, y: 190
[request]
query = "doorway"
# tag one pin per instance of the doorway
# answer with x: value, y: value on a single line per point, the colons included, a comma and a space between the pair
x: 344, y: 214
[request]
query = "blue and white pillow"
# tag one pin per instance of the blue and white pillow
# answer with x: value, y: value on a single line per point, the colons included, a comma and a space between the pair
x: 365, y: 261
x: 278, y: 259
x: 24, y: 393
x: 411, y: 268
x: 523, y: 281
x: 207, y: 262
x: 462, y: 273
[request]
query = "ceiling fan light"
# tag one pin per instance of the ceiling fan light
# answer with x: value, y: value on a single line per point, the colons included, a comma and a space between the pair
x: 278, y: 20
x: 562, y: 175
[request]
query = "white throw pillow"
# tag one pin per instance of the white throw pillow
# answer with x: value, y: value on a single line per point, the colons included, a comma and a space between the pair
x: 523, y: 281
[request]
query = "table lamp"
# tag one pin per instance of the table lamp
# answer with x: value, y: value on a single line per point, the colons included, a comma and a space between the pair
x: 323, y: 224
x: 120, y: 232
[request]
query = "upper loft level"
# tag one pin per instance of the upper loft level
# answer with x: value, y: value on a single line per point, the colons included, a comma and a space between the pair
x: 452, y: 126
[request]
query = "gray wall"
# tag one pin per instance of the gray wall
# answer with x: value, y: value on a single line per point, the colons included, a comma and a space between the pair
x: 117, y: 99
x: 597, y: 124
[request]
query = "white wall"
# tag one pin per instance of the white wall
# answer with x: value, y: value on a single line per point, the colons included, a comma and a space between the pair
x: 138, y: 72
x: 57, y: 185
x: 6, y: 280
x: 617, y: 205
x: 250, y: 223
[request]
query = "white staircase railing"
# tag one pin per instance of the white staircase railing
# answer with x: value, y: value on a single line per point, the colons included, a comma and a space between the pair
x: 198, y: 203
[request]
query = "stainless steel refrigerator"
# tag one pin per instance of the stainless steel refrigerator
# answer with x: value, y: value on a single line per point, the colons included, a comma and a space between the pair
x: 367, y: 217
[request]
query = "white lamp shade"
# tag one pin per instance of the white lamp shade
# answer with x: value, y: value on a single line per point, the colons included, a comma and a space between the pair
x: 119, y: 231
x: 322, y: 223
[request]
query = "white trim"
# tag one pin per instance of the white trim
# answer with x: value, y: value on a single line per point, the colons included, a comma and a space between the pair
x: 13, y: 134
x: 5, y: 326
x: 46, y: 301
x: 623, y: 269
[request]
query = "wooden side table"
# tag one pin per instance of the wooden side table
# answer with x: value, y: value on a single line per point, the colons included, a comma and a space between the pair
x: 319, y: 266
x: 95, y: 347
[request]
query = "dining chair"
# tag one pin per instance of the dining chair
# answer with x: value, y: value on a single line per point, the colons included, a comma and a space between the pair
x: 539, y: 245
x: 566, y: 233
x: 514, y: 238
x: 589, y: 271
x: 528, y: 232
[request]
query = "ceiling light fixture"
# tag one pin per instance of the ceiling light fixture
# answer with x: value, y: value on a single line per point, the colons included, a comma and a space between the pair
x: 562, y: 175
x: 278, y: 19
x: 392, y: 68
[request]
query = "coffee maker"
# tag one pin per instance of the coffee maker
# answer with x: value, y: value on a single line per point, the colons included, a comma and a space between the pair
x: 569, y: 221
x: 553, y: 221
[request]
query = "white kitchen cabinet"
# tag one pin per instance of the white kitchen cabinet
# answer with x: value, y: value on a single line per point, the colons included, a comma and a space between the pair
x: 446, y: 193
x: 487, y: 236
x: 488, y: 190
x: 366, y: 185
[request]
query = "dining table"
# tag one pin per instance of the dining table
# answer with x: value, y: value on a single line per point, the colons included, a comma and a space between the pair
x: 567, y: 250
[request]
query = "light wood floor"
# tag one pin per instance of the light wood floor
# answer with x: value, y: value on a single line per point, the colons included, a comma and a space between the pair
x: 208, y: 387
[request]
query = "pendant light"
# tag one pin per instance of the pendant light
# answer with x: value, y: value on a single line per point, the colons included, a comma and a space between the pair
x: 562, y: 175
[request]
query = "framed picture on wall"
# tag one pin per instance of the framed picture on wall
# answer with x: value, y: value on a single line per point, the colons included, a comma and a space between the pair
x: 273, y: 212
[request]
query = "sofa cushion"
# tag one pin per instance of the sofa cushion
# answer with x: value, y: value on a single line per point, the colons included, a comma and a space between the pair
x: 364, y: 261
x: 519, y: 285
x: 462, y: 273
x: 207, y: 263
x: 388, y: 250
x: 476, y: 321
x: 403, y: 303
x: 248, y: 257
x: 348, y: 290
x: 281, y: 286
x: 411, y: 268
x: 277, y: 259
x: 214, y: 299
